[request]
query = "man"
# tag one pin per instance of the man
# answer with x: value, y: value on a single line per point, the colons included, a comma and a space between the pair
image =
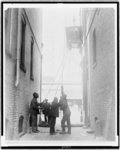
x: 34, y: 110
x: 54, y: 112
x: 46, y: 107
x: 66, y: 114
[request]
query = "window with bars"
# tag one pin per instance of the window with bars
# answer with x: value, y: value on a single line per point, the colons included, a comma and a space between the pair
x: 31, y: 61
x: 22, y: 53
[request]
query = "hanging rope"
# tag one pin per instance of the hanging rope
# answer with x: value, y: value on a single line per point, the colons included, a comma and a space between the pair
x: 59, y: 68
x: 57, y: 86
x: 61, y: 77
x: 65, y: 60
x: 62, y: 64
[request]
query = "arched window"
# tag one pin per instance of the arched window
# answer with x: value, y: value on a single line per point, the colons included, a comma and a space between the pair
x: 20, y: 128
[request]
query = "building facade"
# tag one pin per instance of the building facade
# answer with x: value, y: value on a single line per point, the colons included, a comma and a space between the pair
x: 99, y: 69
x: 22, y: 64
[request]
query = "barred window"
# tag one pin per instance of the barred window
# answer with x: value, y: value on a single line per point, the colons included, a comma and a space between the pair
x: 22, y: 53
x: 31, y: 61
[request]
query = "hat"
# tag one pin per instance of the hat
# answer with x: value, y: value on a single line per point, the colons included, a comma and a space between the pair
x: 35, y: 95
x: 46, y: 100
x: 55, y: 99
x: 64, y: 95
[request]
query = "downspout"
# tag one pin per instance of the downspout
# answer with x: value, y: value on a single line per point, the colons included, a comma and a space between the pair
x: 18, y: 48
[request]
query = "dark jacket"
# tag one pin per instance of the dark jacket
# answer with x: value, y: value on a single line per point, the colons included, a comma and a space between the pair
x: 34, y: 110
x: 54, y: 109
x: 46, y: 108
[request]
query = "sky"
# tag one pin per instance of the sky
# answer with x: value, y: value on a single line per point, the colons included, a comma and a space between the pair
x: 56, y: 56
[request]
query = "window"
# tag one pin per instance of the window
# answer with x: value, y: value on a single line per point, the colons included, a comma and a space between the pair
x: 94, y: 47
x: 31, y: 61
x: 22, y: 53
x: 8, y: 28
x: 20, y: 128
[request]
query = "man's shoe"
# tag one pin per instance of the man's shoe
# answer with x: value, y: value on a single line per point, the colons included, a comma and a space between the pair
x: 63, y: 132
x: 69, y: 132
x: 35, y: 131
x: 38, y: 131
x: 52, y: 134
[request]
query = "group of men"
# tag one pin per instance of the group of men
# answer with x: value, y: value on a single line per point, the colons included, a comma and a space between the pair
x: 51, y: 112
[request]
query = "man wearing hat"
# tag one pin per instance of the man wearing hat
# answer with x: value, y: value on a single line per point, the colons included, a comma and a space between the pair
x: 46, y: 107
x: 34, y: 110
x: 54, y: 112
x: 66, y: 114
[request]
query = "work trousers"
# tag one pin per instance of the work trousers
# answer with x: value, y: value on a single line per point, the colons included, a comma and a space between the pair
x: 49, y: 119
x: 46, y: 118
x: 30, y: 121
x: 34, y: 122
x: 52, y: 124
x: 66, y: 118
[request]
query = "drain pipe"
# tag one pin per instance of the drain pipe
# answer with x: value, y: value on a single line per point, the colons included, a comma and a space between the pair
x: 18, y: 48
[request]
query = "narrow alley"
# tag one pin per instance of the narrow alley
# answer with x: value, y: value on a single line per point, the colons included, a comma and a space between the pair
x: 60, y: 72
x: 78, y: 134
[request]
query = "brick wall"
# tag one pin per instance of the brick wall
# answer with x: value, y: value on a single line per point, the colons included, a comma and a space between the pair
x: 102, y: 74
x: 10, y: 76
x: 17, y: 99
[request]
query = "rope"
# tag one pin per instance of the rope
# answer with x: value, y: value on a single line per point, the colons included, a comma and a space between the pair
x: 54, y: 78
x: 57, y: 87
x: 63, y: 63
x: 62, y: 74
x: 63, y: 68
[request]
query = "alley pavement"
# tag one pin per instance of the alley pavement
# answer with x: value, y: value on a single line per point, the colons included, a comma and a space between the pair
x: 77, y: 134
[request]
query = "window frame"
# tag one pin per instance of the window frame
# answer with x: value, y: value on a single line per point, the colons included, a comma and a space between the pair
x: 31, y: 58
x: 8, y: 28
x: 22, y: 47
x: 94, y: 46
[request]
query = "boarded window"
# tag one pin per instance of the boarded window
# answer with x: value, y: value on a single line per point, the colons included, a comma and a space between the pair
x: 94, y: 47
x: 20, y: 128
x: 22, y: 53
x: 31, y: 61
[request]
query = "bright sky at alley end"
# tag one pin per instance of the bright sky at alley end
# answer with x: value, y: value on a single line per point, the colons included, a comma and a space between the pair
x: 54, y: 22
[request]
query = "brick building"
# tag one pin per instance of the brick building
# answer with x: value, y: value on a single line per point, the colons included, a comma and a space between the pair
x: 99, y: 69
x: 23, y: 38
